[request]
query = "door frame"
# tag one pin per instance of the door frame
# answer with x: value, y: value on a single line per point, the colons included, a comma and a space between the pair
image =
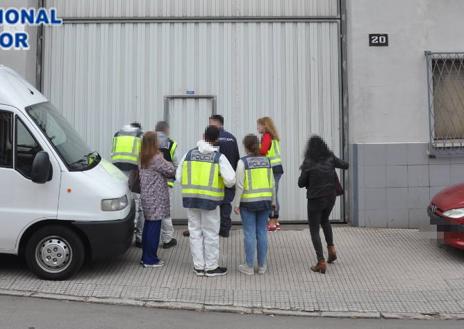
x: 169, y: 98
x: 167, y: 102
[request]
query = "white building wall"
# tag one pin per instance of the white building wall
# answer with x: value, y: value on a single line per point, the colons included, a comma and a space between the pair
x: 189, y: 8
x: 388, y: 86
x: 22, y: 61
x: 393, y: 179
x: 102, y: 76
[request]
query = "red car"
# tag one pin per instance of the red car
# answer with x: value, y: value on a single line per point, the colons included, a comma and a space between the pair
x: 446, y: 210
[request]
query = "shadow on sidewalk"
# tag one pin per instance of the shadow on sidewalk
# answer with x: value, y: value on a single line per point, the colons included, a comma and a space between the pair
x: 11, y: 262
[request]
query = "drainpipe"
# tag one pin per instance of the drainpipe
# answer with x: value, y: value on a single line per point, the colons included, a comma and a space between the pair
x: 39, y: 53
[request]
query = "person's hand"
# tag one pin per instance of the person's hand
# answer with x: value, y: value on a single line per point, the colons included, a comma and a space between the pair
x: 237, y: 210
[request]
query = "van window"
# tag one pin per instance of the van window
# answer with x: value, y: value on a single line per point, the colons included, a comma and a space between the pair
x: 26, y: 149
x: 6, y: 139
x: 73, y: 151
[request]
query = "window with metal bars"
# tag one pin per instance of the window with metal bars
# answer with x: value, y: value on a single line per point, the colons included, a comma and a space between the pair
x: 445, y: 73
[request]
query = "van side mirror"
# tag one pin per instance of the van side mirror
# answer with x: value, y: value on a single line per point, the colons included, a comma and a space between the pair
x: 41, y: 168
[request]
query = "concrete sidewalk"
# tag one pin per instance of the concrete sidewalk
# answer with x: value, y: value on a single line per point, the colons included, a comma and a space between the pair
x: 380, y: 273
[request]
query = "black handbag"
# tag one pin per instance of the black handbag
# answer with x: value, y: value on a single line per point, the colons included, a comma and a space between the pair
x: 134, y: 181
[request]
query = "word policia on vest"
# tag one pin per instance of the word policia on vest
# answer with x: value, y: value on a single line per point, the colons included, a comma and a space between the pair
x: 202, y: 186
x: 258, y: 182
x: 13, y: 20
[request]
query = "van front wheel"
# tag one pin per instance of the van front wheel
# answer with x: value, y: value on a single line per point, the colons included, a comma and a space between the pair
x: 54, y: 253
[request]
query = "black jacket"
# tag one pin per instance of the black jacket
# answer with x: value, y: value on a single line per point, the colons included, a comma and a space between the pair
x: 319, y: 177
x: 229, y: 147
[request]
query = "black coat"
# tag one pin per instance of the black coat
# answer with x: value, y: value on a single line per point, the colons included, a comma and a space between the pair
x: 319, y: 177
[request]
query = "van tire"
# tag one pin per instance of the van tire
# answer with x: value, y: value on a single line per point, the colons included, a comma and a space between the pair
x: 54, y: 252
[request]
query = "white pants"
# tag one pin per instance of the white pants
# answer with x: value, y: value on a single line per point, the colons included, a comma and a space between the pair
x: 204, y: 226
x: 139, y: 218
x: 167, y: 229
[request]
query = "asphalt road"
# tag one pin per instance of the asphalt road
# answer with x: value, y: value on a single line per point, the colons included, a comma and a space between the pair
x: 31, y: 313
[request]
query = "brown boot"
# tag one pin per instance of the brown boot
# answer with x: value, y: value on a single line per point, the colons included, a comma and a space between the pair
x: 320, y: 267
x: 332, y: 254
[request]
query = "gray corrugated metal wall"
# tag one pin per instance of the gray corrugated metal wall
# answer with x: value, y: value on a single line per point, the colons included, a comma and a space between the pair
x: 105, y: 75
x: 186, y: 8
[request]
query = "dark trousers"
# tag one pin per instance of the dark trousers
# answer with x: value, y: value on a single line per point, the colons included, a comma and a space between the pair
x: 226, y: 210
x: 150, y: 241
x: 318, y: 215
x: 226, y: 221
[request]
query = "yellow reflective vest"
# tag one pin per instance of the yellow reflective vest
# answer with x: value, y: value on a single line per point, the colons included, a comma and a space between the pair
x: 126, y: 147
x: 172, y: 154
x: 258, y: 183
x: 202, y: 185
x: 274, y: 153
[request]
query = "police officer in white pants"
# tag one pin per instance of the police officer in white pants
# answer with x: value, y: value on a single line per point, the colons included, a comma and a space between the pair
x: 203, y: 173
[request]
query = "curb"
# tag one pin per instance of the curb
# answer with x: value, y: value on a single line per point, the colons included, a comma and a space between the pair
x: 187, y: 306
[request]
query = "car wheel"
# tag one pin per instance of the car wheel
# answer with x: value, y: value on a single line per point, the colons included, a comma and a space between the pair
x: 55, y: 253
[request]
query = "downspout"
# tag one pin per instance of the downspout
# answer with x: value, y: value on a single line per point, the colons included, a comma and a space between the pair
x: 39, y: 53
x: 347, y: 210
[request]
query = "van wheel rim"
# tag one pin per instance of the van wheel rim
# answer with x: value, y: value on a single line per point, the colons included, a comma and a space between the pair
x: 53, y: 254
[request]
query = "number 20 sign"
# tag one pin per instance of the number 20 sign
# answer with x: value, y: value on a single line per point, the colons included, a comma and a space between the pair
x: 378, y: 40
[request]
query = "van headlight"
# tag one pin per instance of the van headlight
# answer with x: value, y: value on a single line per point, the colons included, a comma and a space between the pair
x: 454, y: 213
x: 115, y: 204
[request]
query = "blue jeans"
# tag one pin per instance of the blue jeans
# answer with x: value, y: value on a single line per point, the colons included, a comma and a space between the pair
x: 275, y: 212
x: 150, y: 241
x: 255, y: 231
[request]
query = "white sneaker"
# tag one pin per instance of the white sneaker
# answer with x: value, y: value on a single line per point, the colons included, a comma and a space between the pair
x: 245, y: 269
x: 159, y: 264
x: 262, y: 270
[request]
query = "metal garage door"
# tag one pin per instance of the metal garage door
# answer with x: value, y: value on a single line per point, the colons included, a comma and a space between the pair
x: 105, y: 74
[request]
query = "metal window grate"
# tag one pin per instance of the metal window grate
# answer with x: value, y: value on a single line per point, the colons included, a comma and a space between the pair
x: 445, y: 72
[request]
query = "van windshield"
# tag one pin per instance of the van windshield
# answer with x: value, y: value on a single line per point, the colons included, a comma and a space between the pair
x: 67, y: 142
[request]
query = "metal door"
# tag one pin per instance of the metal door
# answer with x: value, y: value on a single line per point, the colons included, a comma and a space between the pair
x: 188, y: 117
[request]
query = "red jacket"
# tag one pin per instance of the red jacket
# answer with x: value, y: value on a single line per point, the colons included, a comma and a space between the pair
x: 266, y: 143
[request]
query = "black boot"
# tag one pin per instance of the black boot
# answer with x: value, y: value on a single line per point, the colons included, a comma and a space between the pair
x: 170, y: 244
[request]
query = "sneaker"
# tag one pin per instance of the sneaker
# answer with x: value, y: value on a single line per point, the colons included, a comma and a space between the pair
x: 186, y: 233
x: 219, y: 271
x: 245, y: 269
x: 271, y: 227
x: 170, y: 244
x: 262, y: 269
x: 199, y: 272
x: 157, y: 265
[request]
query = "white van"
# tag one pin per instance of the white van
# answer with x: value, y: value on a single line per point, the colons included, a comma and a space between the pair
x: 60, y: 203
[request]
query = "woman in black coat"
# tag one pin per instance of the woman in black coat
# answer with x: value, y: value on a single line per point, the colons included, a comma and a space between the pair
x: 318, y: 176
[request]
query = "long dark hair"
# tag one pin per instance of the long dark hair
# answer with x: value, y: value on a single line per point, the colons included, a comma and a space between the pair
x: 316, y: 151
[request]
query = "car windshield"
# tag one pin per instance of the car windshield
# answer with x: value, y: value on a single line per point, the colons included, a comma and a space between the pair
x: 67, y: 142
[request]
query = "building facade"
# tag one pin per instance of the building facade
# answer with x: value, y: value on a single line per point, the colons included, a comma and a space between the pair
x: 306, y: 63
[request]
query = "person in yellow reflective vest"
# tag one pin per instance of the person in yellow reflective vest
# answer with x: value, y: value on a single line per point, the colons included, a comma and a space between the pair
x: 168, y: 147
x: 270, y: 147
x: 203, y: 173
x: 254, y: 200
x: 126, y: 147
x: 125, y: 155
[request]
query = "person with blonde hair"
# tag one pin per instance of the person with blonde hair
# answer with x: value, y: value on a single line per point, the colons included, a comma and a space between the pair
x: 270, y: 147
x: 154, y: 173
